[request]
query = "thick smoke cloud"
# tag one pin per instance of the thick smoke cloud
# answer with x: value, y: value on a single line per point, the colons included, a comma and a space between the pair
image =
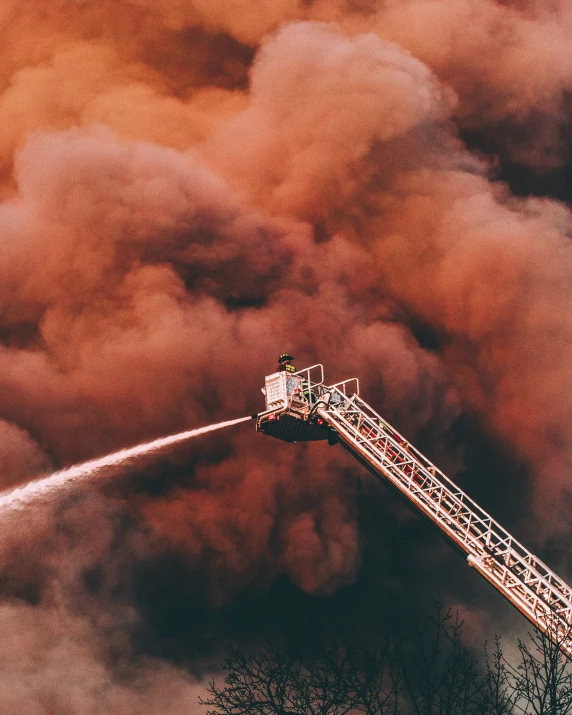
x: 189, y: 188
x: 54, y: 662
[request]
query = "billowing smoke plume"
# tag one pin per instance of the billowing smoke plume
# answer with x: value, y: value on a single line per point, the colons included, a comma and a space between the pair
x: 190, y: 188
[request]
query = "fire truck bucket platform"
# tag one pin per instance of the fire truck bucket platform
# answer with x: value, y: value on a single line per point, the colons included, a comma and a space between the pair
x: 291, y: 402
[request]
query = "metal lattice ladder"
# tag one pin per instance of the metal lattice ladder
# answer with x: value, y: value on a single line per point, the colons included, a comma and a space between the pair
x: 522, y: 578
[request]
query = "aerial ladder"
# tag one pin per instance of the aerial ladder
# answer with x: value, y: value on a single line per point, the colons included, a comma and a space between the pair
x: 300, y: 407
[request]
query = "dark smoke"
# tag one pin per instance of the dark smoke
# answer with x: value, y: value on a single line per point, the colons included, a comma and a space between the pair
x: 190, y: 188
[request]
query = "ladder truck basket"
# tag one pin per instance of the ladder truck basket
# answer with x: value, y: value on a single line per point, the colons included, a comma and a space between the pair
x: 292, y: 400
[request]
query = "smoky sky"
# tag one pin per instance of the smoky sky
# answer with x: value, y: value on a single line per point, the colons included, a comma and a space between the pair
x: 189, y: 188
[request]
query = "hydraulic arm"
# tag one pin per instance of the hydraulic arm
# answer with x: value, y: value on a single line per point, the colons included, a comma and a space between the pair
x: 300, y: 407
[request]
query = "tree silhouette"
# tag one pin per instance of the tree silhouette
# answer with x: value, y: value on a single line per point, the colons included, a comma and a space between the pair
x: 542, y: 680
x: 432, y: 672
x: 337, y: 681
x: 440, y: 674
x: 497, y: 694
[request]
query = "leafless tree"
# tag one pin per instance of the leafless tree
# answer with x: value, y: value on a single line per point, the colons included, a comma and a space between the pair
x: 497, y: 694
x: 440, y: 674
x: 336, y: 681
x: 380, y: 673
x: 542, y: 680
x: 430, y: 673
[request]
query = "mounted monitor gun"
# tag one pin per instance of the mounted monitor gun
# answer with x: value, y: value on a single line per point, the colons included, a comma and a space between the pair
x: 301, y: 408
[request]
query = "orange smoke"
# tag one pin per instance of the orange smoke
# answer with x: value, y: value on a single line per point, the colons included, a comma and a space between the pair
x: 190, y: 188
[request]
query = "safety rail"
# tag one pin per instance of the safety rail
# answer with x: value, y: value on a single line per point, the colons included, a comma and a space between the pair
x: 344, y: 386
x: 307, y: 373
x: 522, y: 578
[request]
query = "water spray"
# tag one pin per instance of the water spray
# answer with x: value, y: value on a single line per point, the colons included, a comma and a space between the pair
x: 19, y: 498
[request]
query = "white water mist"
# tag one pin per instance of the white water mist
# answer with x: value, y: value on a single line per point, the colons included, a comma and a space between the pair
x: 19, y: 498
